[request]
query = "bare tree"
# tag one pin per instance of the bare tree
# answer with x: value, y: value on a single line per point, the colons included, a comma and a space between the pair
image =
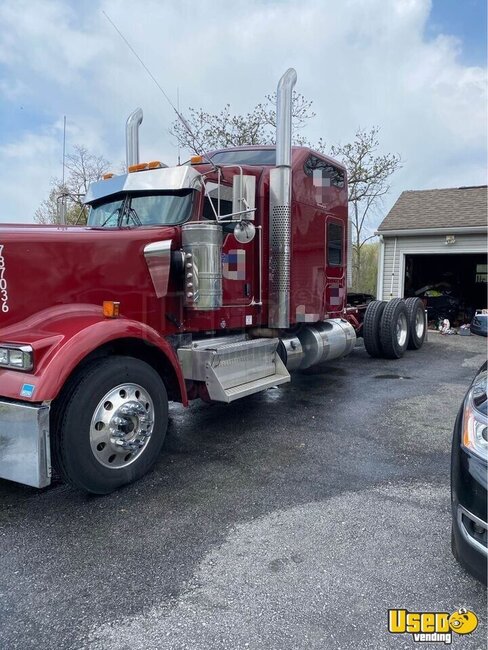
x: 368, y: 170
x: 82, y: 168
x: 369, y: 175
x: 226, y: 129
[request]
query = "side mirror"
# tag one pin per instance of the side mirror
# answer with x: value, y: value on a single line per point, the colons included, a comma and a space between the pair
x: 244, y: 231
x: 244, y: 195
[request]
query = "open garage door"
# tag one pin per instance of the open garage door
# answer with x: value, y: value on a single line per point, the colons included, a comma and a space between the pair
x: 452, y: 285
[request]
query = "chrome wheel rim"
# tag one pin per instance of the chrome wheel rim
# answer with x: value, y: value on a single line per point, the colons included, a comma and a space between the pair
x: 121, y: 426
x: 402, y: 330
x: 419, y: 323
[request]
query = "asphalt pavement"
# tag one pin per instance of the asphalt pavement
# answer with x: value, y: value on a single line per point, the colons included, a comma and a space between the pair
x: 289, y: 520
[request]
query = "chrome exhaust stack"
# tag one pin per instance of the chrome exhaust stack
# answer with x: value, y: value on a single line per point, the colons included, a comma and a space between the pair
x: 280, y: 207
x: 132, y: 137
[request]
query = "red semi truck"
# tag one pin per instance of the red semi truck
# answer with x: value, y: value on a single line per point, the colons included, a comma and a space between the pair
x: 211, y: 280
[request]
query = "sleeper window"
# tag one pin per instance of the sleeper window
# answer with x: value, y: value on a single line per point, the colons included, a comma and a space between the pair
x: 334, y: 244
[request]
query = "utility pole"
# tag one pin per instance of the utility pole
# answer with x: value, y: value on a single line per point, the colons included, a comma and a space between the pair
x: 62, y: 214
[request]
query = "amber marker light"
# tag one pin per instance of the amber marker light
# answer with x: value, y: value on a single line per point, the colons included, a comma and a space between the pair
x: 111, y: 309
x: 154, y: 164
x: 196, y: 160
x: 107, y: 176
x: 137, y: 168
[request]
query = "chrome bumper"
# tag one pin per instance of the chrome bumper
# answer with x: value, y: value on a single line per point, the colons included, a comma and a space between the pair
x: 25, y: 454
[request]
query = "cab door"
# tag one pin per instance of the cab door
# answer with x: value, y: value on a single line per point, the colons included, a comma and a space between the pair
x: 239, y: 272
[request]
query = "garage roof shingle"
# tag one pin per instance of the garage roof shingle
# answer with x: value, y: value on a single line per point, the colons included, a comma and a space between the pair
x: 455, y: 207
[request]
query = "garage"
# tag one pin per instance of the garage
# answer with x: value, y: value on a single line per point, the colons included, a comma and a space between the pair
x: 433, y: 244
x: 454, y: 286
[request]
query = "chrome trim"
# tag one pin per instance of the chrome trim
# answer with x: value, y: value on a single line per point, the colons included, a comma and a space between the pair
x: 291, y: 347
x: 25, y: 455
x: 322, y: 341
x: 280, y: 207
x: 158, y: 260
x: 464, y: 532
x: 260, y: 269
x: 402, y: 330
x: 284, y: 104
x: 162, y: 178
x: 201, y: 243
x: 132, y: 137
x: 121, y: 426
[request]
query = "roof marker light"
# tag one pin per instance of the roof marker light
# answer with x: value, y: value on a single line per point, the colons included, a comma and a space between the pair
x: 137, y: 168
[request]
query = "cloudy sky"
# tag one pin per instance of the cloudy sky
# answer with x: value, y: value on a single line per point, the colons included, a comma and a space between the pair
x: 415, y: 68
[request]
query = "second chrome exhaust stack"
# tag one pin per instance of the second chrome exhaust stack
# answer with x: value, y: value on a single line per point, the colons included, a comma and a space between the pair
x: 132, y: 137
x: 280, y: 207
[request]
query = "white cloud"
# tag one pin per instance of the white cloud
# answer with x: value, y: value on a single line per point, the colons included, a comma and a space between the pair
x: 363, y: 62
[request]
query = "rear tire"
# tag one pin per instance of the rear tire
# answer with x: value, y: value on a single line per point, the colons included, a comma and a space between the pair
x: 371, y: 328
x: 112, y: 425
x: 416, y: 321
x: 394, y: 329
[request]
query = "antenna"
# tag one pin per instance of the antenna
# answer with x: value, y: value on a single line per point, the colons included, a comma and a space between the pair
x: 64, y: 146
x: 178, y: 114
x: 62, y: 215
x: 178, y: 107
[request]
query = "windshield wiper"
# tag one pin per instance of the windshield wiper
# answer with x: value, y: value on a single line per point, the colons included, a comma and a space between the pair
x: 132, y: 214
x: 116, y: 210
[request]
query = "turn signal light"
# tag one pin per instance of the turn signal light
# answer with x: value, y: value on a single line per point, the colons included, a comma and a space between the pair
x: 111, y: 309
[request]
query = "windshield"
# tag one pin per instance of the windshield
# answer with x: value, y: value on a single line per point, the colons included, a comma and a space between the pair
x: 142, y: 209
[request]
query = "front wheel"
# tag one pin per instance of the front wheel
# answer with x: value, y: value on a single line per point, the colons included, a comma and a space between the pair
x: 112, y: 425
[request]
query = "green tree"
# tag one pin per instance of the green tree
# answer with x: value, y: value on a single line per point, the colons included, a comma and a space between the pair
x: 82, y: 168
x: 366, y: 282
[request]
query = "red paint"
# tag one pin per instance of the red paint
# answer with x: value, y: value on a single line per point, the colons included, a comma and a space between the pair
x: 58, y: 277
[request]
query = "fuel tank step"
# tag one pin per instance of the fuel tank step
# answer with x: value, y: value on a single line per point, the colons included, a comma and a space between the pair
x: 233, y: 367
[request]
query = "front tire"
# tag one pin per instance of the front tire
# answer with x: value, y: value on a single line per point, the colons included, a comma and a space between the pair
x: 112, y: 425
x: 394, y: 330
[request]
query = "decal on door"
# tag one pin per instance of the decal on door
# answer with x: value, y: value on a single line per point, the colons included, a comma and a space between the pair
x: 234, y: 265
x: 303, y: 317
x: 337, y: 294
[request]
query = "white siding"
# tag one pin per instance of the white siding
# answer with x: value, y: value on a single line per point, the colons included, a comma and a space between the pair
x: 394, y: 260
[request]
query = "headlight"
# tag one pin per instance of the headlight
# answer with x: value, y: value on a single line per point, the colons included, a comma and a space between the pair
x: 17, y: 357
x: 475, y: 421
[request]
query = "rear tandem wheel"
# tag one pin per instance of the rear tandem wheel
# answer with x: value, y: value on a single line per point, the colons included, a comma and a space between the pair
x: 416, y: 320
x: 394, y: 329
x: 371, y: 328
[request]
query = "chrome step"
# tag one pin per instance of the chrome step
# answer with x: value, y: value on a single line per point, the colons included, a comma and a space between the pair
x: 233, y: 367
